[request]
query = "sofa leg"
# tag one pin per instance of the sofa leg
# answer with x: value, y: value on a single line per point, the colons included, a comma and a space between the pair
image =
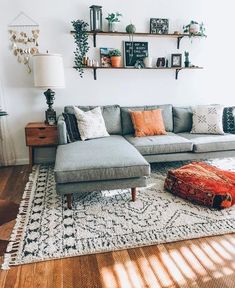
x: 69, y: 201
x: 133, y: 194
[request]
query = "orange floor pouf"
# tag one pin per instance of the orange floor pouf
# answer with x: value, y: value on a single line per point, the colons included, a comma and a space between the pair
x: 203, y: 184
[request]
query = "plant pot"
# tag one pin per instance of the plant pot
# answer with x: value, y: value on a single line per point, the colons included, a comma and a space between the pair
x: 112, y: 27
x: 194, y: 29
x: 116, y: 61
x: 186, y: 64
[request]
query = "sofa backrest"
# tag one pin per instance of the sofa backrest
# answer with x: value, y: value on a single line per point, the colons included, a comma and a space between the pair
x: 111, y: 114
x: 127, y: 126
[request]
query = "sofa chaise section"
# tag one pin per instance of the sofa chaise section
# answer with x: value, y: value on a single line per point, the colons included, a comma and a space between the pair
x: 104, y: 163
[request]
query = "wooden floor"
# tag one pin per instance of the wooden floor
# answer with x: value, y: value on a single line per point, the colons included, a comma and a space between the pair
x: 207, y: 262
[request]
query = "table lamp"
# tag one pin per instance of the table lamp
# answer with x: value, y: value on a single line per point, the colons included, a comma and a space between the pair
x: 48, y: 73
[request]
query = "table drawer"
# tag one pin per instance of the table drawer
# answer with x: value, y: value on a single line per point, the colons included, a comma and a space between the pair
x: 44, y: 131
x: 41, y: 140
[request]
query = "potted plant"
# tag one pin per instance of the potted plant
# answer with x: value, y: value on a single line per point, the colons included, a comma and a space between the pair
x: 186, y: 62
x: 194, y: 28
x: 81, y: 40
x: 115, y: 56
x: 113, y: 19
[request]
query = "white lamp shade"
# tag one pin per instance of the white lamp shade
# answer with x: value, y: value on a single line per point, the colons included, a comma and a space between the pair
x: 48, y: 71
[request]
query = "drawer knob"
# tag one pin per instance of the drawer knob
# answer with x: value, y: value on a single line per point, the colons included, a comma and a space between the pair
x: 42, y: 137
x: 41, y: 128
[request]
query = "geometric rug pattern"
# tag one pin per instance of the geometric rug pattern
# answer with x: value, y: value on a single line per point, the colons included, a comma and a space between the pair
x: 108, y: 220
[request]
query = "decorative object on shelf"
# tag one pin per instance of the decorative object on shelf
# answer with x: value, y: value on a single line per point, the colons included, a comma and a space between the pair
x: 186, y: 62
x: 3, y: 113
x: 139, y: 64
x: 96, y: 14
x: 24, y: 34
x: 194, y: 29
x: 131, y: 29
x: 148, y: 61
x: 176, y: 60
x: 115, y: 56
x: 161, y: 62
x: 49, y: 73
x: 105, y: 59
x: 113, y: 19
x: 134, y: 51
x: 159, y: 26
x: 81, y: 40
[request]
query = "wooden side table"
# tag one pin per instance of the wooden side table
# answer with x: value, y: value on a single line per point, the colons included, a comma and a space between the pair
x: 39, y: 134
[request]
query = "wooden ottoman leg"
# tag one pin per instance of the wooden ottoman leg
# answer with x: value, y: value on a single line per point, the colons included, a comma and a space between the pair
x: 133, y: 194
x: 69, y: 201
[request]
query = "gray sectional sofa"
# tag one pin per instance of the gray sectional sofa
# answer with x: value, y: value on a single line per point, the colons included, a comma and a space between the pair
x: 122, y: 160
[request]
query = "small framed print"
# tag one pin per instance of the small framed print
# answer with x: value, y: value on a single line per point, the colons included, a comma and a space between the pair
x: 105, y: 59
x: 159, y: 26
x: 176, y: 60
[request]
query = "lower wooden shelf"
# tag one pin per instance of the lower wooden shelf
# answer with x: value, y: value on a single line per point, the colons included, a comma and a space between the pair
x: 177, y: 69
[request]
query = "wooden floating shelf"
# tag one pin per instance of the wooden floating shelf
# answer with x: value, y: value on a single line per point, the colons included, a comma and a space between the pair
x: 179, y: 37
x: 177, y: 69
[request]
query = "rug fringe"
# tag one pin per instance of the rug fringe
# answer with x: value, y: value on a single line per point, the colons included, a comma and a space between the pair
x: 19, y: 228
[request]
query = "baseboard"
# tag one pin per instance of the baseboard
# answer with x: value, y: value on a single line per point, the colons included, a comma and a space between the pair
x: 23, y: 161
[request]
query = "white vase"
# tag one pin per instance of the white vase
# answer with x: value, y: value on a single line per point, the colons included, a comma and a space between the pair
x: 148, y: 62
x: 194, y: 29
x: 112, y: 26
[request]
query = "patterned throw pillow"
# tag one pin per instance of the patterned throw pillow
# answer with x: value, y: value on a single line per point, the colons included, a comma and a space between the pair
x: 207, y: 119
x: 72, y: 127
x: 91, y: 123
x: 148, y: 123
x: 228, y: 120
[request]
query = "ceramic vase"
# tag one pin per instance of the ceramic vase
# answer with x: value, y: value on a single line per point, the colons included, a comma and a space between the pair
x: 148, y: 62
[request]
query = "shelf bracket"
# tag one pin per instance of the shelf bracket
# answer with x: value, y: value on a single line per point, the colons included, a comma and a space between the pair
x: 178, y: 41
x: 177, y: 73
x: 94, y: 39
x: 95, y: 73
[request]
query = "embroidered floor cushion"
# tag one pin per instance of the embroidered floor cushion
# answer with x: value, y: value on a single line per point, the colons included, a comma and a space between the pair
x: 203, y: 184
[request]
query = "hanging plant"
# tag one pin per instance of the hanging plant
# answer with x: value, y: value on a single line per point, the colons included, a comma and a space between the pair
x: 81, y: 40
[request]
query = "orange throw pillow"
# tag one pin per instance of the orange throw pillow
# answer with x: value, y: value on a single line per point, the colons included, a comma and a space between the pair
x: 148, y: 123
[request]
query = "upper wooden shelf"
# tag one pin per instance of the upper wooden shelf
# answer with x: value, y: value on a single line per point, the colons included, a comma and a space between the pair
x: 179, y: 37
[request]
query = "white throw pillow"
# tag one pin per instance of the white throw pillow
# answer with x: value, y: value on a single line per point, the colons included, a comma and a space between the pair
x: 91, y: 123
x: 208, y: 119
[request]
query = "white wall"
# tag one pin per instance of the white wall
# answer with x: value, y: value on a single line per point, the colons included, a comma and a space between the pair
x: 215, y: 84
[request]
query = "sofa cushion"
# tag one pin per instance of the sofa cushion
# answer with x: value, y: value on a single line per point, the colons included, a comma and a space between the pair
x: 208, y: 119
x: 210, y: 143
x: 71, y: 127
x: 228, y: 120
x: 182, y: 118
x: 111, y: 114
x: 163, y: 144
x: 127, y: 126
x: 99, y: 159
x: 148, y: 123
x: 91, y: 123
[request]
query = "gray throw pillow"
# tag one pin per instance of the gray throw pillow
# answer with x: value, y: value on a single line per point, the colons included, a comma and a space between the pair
x: 182, y: 117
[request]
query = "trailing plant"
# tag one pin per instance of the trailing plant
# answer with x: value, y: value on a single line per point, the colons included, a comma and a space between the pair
x: 201, y: 29
x: 113, y: 17
x: 115, y: 53
x: 81, y: 40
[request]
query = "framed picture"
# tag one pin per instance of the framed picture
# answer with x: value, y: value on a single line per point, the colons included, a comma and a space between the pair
x: 176, y: 60
x: 159, y: 26
x: 134, y: 52
x: 105, y: 60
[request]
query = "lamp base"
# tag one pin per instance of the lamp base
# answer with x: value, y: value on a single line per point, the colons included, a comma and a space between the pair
x: 50, y: 117
x: 50, y: 113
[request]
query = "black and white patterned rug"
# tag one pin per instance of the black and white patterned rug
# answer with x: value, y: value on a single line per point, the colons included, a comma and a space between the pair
x: 107, y: 220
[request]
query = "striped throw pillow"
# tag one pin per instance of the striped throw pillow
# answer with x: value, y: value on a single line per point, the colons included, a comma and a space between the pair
x: 72, y: 127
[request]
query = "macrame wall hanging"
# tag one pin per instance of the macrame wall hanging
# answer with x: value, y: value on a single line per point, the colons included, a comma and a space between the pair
x: 24, y: 34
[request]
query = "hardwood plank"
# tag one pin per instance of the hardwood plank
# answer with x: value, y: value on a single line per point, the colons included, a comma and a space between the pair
x: 43, y: 274
x: 58, y: 273
x: 12, y: 278
x: 26, y: 279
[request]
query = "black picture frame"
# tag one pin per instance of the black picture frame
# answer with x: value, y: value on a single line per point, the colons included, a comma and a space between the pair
x: 176, y: 60
x: 159, y: 26
x: 134, y: 51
